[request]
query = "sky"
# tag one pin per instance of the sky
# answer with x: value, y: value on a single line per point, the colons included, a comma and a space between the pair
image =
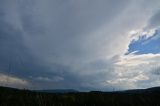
x: 80, y: 44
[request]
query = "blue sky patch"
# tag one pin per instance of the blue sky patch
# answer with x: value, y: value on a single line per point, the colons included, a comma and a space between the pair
x: 145, y: 46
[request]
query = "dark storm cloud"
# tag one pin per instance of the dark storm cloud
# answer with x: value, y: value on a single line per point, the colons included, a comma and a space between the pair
x: 23, y: 64
x: 33, y: 31
x: 14, y: 52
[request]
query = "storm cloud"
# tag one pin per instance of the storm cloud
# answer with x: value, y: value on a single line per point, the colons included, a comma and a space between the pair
x: 72, y: 44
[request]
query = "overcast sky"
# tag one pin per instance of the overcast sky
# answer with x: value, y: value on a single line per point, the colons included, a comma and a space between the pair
x: 80, y: 44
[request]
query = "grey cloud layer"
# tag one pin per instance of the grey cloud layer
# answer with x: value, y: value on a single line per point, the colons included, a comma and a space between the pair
x: 68, y: 44
x: 154, y: 21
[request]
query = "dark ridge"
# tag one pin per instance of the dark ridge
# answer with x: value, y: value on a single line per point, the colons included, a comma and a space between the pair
x: 23, y: 97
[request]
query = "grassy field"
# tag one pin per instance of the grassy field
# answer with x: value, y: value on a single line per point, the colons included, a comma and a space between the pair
x: 14, y: 97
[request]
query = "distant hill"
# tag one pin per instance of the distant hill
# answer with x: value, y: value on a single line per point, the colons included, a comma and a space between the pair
x: 151, y: 90
x: 58, y: 91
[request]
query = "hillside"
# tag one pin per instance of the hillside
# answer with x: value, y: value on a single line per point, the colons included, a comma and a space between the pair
x: 144, y: 97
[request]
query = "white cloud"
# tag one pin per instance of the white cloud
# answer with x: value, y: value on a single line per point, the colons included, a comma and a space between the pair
x: 53, y: 79
x: 134, y: 71
x: 137, y: 34
x: 12, y: 81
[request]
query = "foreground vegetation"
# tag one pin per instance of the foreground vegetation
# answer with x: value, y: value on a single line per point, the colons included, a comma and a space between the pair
x: 14, y: 97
